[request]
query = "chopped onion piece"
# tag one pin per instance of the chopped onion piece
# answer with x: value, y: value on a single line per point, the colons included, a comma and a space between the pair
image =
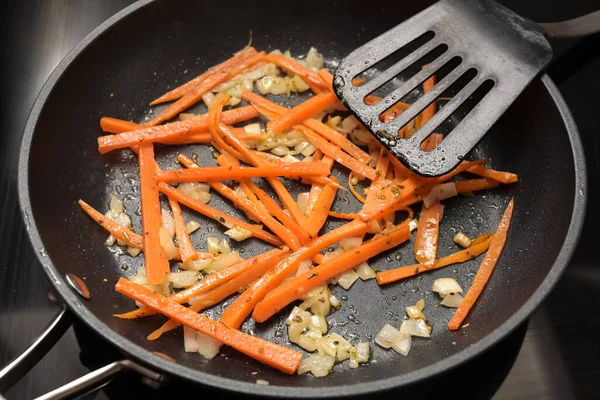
x: 166, y: 242
x: 445, y: 286
x: 298, y: 85
x: 413, y: 224
x: 203, y: 197
x: 319, y: 323
x: 238, y: 233
x: 307, y: 343
x: 365, y: 272
x: 190, y: 343
x: 208, y: 98
x: 349, y: 123
x: 302, y: 268
x: 332, y: 254
x: 280, y: 151
x: 207, y: 346
x: 440, y: 192
x: 415, y: 327
x: 348, y: 279
x: 326, y: 346
x: 252, y: 130
x: 133, y: 252
x: 225, y: 260
x: 350, y: 243
x: 183, y: 279
x: 224, y: 247
x: 196, y: 265
x: 402, y: 346
x: 414, y: 313
x: 116, y: 204
x: 213, y: 244
x: 167, y: 222
x: 295, y: 311
x: 318, y: 365
x: 362, y: 137
x: 192, y: 226
x: 362, y: 353
x: 184, y: 116
x: 303, y: 201
x: 452, y: 300
x: 387, y: 336
x: 314, y: 60
x: 335, y: 303
x: 462, y: 240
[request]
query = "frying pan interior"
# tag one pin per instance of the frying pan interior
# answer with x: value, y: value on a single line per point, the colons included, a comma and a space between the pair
x: 165, y: 43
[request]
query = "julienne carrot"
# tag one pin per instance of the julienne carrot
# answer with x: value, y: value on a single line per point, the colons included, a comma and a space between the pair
x: 171, y: 131
x: 195, y: 94
x: 115, y: 125
x: 339, y: 215
x: 241, y: 308
x: 353, y: 190
x: 393, y: 275
x: 303, y: 283
x: 274, y: 355
x: 180, y: 91
x: 270, y: 258
x: 432, y: 141
x: 498, y: 176
x: 157, y: 265
x: 485, y: 270
x: 426, y: 242
x: 129, y: 237
x: 184, y: 243
x: 474, y: 185
x: 207, y: 174
x: 313, y: 80
x: 301, y: 112
x: 217, y: 215
x: 316, y: 219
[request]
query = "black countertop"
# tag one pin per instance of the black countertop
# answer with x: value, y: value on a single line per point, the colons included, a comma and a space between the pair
x: 560, y: 354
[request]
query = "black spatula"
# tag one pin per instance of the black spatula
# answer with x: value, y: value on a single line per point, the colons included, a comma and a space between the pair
x: 488, y: 54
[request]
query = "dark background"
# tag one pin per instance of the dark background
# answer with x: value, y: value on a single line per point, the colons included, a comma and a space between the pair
x: 560, y: 354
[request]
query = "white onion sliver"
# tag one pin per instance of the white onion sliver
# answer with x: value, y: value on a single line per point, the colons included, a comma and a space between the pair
x: 303, y: 201
x: 348, y: 279
x: 225, y: 260
x: 415, y: 327
x: 213, y: 244
x: 116, y: 204
x: 224, y: 247
x: 365, y: 272
x: 166, y: 241
x: 192, y: 226
x: 207, y: 346
x: 445, y: 286
x: 167, y: 221
x: 452, y: 300
x: 440, y: 192
x: 190, y: 343
x: 183, y: 279
x: 387, y: 336
x: 402, y: 346
x: 238, y: 233
x: 350, y: 243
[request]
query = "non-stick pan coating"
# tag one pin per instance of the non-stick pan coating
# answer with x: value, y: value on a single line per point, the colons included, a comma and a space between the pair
x: 162, y: 44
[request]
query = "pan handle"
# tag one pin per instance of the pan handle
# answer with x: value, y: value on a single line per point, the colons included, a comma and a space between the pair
x: 14, y: 371
x: 99, y: 378
x: 573, y: 28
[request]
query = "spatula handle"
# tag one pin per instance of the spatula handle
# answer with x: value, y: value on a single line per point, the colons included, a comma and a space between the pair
x: 577, y: 27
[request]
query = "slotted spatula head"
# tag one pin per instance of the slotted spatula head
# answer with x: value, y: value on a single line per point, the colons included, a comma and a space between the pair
x: 487, y: 54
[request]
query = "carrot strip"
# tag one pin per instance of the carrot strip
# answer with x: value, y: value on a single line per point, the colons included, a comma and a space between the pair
x: 303, y: 283
x: 217, y: 215
x: 195, y: 94
x: 426, y: 242
x: 115, y: 125
x: 325, y: 131
x: 339, y: 215
x: 499, y: 176
x: 186, y: 248
x: 195, y: 138
x: 180, y: 91
x: 401, y: 170
x: 432, y: 141
x: 313, y: 80
x: 207, y: 174
x: 129, y: 237
x: 301, y: 112
x: 485, y: 270
x: 396, y: 274
x: 274, y: 355
x: 353, y: 189
x: 269, y: 258
x: 316, y: 219
x: 157, y: 265
x: 240, y: 309
x: 171, y: 131
x: 474, y: 185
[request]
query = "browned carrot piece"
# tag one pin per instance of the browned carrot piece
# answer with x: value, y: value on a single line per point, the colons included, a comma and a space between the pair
x: 426, y: 242
x: 217, y: 215
x: 301, y: 112
x: 171, y: 131
x: 396, y: 274
x: 474, y: 185
x: 180, y: 91
x: 240, y: 309
x: 157, y: 265
x: 485, y: 270
x: 195, y: 94
x: 313, y: 80
x: 274, y: 355
x: 129, y: 237
x: 317, y: 217
x: 339, y: 215
x: 432, y: 141
x: 186, y: 248
x: 269, y: 258
x: 294, y: 288
x: 499, y: 176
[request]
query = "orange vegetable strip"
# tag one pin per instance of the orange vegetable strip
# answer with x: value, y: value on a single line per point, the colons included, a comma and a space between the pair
x: 485, y: 270
x: 195, y: 138
x: 286, y: 199
x: 129, y: 237
x: 313, y: 80
x: 157, y: 265
x: 294, y: 288
x: 327, y: 132
x: 115, y: 125
x: 474, y: 185
x: 396, y: 274
x: 184, y: 243
x: 274, y: 355
x: 240, y: 309
x: 426, y: 242
x: 404, y: 172
x: 171, y: 131
x: 339, y: 215
x: 499, y: 176
x: 217, y: 215
x: 214, y: 116
x: 301, y: 112
x: 432, y: 141
x: 196, y: 93
x: 316, y: 219
x: 353, y: 189
x: 207, y: 174
x: 270, y: 258
x: 186, y: 87
x: 336, y: 153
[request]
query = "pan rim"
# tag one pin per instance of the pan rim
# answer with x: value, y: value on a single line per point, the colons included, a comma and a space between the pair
x: 78, y: 307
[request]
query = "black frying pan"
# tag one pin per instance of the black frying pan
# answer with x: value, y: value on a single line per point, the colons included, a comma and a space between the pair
x: 152, y: 46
